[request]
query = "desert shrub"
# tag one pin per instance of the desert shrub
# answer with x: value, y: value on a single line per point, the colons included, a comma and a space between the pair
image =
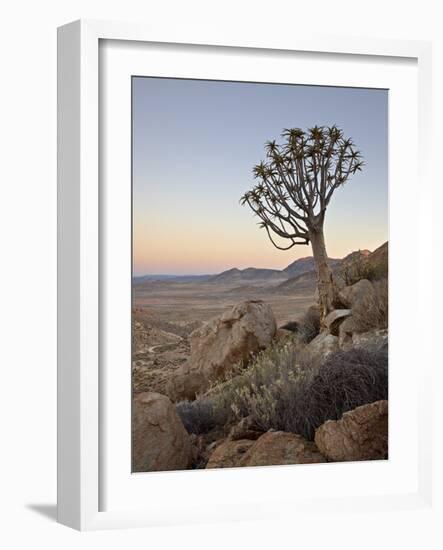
x: 222, y: 403
x: 345, y: 381
x: 200, y: 416
x: 262, y: 390
x: 309, y: 325
x: 301, y: 404
x: 268, y: 369
x: 372, y: 311
x: 283, y: 389
x: 280, y: 392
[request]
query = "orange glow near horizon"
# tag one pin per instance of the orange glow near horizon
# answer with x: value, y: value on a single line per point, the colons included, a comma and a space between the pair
x: 191, y: 252
x: 195, y: 144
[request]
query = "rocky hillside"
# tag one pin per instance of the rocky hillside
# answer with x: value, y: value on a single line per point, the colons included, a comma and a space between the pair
x: 247, y: 393
x: 379, y: 258
x: 372, y: 264
x: 304, y: 265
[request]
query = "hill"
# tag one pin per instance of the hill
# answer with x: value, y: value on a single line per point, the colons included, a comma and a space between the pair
x: 355, y: 255
x: 300, y: 266
x: 248, y: 275
x: 380, y: 255
x: 305, y: 279
x: 379, y: 260
x: 304, y: 282
x: 303, y: 265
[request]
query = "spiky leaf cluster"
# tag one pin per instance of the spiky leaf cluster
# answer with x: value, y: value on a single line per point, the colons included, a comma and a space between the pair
x: 297, y: 179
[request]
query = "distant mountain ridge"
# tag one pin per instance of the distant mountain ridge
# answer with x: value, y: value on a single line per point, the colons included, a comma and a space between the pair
x: 298, y: 274
x: 249, y: 274
x: 138, y: 279
x: 303, y: 265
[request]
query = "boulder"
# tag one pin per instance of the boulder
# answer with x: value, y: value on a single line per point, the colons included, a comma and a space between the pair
x: 230, y: 339
x: 373, y: 340
x: 323, y: 345
x: 345, y: 332
x: 245, y: 429
x: 275, y: 448
x: 185, y: 384
x: 291, y: 326
x: 361, y: 434
x: 159, y: 439
x: 335, y: 318
x: 350, y: 295
x: 229, y: 453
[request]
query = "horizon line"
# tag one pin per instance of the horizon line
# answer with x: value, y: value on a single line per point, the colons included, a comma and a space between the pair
x: 201, y: 274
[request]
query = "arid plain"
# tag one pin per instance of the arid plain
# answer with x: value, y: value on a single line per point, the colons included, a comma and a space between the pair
x: 165, y: 312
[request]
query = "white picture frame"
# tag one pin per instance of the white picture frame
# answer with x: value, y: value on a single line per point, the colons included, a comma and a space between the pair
x: 81, y: 410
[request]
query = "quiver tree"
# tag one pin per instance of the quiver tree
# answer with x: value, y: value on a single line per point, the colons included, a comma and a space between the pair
x: 295, y: 185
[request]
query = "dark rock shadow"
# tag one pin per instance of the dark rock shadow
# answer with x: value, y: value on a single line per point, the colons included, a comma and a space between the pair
x: 48, y: 511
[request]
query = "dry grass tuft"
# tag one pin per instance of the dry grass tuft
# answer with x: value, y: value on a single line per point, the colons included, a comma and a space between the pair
x: 372, y: 312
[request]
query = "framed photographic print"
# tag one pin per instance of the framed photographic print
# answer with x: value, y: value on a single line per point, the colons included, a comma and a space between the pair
x: 232, y: 273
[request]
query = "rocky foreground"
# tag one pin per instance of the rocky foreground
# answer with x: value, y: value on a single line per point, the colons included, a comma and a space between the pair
x: 238, y: 379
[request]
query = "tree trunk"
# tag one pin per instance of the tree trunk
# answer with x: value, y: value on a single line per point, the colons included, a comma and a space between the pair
x: 325, y: 284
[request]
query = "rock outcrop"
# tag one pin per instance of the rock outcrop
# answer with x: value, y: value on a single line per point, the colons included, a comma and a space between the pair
x: 345, y: 332
x: 221, y: 344
x: 159, y: 439
x: 373, y: 340
x: 245, y: 429
x: 270, y: 449
x: 349, y: 296
x: 275, y: 448
x: 361, y: 434
x: 229, y: 453
x: 323, y: 345
x: 185, y: 384
x: 334, y: 319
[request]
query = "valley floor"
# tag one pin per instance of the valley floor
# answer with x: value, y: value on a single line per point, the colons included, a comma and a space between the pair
x: 165, y: 313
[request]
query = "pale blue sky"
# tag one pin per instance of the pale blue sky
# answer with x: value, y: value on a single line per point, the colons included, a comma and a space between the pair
x: 194, y: 145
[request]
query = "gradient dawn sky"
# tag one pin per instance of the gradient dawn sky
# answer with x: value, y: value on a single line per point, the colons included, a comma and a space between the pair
x: 194, y: 145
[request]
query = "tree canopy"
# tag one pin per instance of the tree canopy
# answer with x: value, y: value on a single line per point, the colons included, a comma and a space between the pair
x: 297, y: 180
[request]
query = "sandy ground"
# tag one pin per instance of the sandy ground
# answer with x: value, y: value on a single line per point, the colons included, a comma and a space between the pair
x: 165, y: 313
